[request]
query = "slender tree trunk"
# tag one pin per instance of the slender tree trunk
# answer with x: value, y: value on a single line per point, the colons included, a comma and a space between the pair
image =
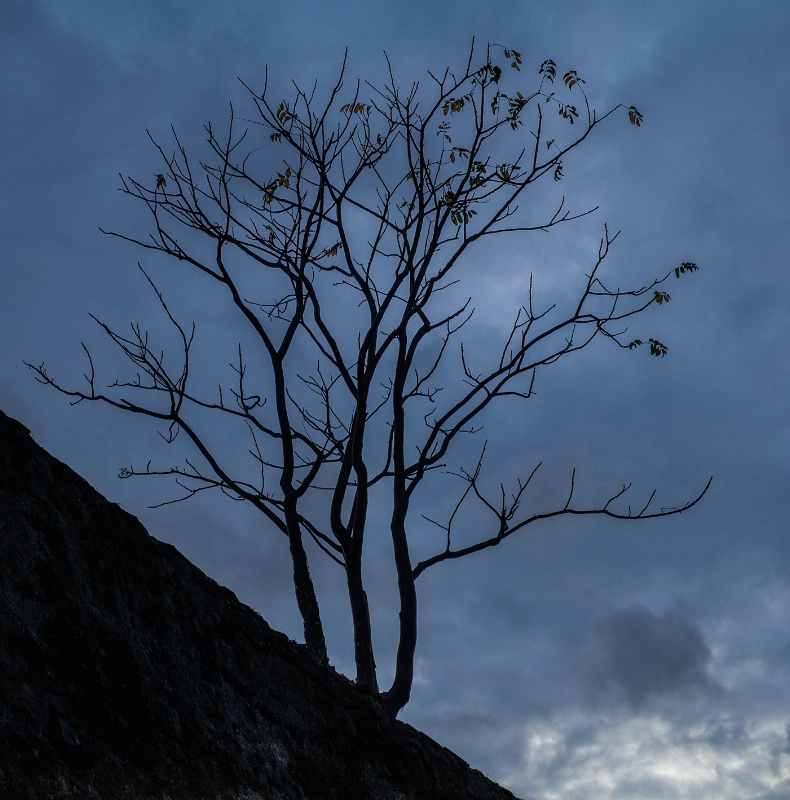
x: 306, y: 598
x: 358, y: 600
x: 360, y: 615
x: 305, y: 590
x: 308, y: 603
x: 400, y: 691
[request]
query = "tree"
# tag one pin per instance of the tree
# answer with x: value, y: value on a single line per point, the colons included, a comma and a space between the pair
x: 345, y: 265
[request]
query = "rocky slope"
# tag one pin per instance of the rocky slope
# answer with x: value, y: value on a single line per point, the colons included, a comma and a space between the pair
x: 126, y: 673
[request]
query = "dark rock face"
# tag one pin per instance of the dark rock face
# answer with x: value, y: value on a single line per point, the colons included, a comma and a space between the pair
x: 126, y: 673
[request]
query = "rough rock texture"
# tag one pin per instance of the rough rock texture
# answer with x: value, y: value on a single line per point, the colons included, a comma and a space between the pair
x: 126, y: 673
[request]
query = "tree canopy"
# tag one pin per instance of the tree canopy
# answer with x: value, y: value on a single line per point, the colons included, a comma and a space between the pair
x: 346, y: 265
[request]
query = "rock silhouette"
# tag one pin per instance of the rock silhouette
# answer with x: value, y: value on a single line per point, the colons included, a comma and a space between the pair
x: 126, y: 673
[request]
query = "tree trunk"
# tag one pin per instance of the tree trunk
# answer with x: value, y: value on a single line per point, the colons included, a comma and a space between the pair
x: 360, y: 615
x: 400, y: 691
x: 305, y: 596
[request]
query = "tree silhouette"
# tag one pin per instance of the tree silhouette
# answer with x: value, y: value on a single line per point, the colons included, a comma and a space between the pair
x: 346, y: 267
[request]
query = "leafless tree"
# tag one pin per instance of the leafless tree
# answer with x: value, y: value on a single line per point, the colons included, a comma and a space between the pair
x: 345, y: 265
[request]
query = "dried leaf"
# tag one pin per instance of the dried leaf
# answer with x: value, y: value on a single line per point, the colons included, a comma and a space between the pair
x: 634, y: 117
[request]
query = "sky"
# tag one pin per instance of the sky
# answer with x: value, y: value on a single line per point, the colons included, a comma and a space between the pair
x: 585, y: 659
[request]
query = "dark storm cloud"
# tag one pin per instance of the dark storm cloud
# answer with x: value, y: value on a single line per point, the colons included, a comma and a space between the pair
x: 646, y: 656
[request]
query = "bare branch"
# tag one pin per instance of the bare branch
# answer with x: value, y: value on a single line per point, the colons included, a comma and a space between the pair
x: 333, y: 228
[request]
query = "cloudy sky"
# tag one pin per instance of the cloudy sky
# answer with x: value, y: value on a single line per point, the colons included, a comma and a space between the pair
x: 587, y: 659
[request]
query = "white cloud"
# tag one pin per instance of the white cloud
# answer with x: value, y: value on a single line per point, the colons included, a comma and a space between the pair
x: 580, y: 756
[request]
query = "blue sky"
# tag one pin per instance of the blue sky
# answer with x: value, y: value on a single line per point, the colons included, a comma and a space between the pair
x: 586, y: 659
